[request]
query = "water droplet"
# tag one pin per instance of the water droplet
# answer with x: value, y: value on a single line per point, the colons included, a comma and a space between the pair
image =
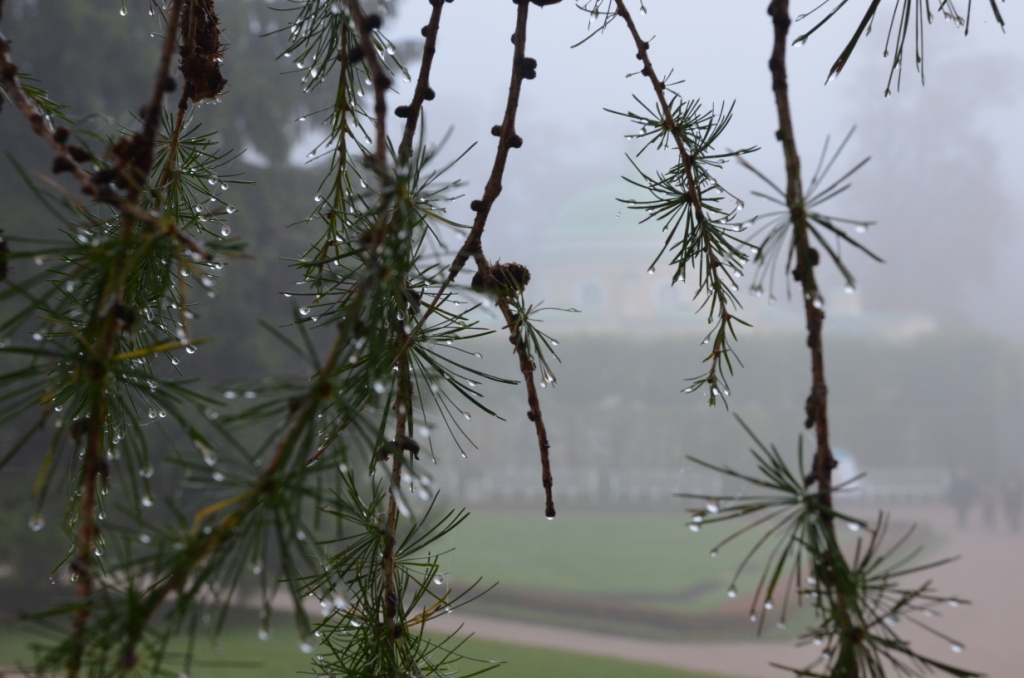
x: 467, y: 415
x: 300, y: 535
x: 954, y: 603
x: 768, y: 604
x: 318, y: 198
x: 849, y: 289
x: 124, y: 11
x: 145, y: 538
x: 818, y: 303
x: 152, y: 413
x: 812, y: 581
x: 303, y: 311
x: 225, y: 231
x: 379, y: 388
x: 957, y: 648
x: 218, y: 477
x: 190, y: 349
x: 548, y: 517
x: 36, y: 523
x: 339, y: 602
x: 714, y: 553
x: 439, y: 579
x: 263, y: 634
x: 860, y: 228
x: 694, y: 527
x: 650, y: 271
x: 209, y: 456
x: 731, y: 592
x: 753, y: 617
x: 147, y: 500
x: 854, y: 527
x: 249, y: 395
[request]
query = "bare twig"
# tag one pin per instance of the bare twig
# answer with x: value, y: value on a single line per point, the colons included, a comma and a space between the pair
x: 423, y: 90
x: 817, y: 401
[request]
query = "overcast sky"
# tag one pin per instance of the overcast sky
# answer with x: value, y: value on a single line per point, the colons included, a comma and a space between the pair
x: 942, y: 184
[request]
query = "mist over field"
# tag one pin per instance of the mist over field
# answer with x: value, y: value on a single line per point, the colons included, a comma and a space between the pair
x: 924, y: 358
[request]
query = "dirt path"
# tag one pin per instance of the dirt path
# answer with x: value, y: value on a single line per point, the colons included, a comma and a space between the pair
x: 990, y: 573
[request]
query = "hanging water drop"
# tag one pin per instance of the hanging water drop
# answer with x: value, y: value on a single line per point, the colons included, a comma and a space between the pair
x: 957, y: 648
x: 225, y: 231
x: 732, y: 592
x: 36, y: 523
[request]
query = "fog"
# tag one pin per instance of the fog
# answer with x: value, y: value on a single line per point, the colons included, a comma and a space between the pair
x: 925, y: 359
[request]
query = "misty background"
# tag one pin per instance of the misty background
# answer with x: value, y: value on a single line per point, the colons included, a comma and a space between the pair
x: 925, y: 360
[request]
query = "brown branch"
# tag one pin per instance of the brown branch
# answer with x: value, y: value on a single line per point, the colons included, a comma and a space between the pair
x: 506, y: 135
x: 423, y: 90
x: 365, y: 25
x: 817, y: 401
x: 522, y: 68
x: 718, y: 286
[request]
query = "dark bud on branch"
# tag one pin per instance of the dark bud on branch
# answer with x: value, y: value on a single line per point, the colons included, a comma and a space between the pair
x: 355, y: 55
x: 79, y: 153
x: 169, y: 84
x: 504, y: 280
x: 476, y: 205
x: 372, y: 22
x: 516, y: 141
x: 386, y: 450
x: 429, y: 94
x: 528, y: 68
x: 62, y: 164
x: 424, y: 31
x: 544, y: 3
x: 402, y: 111
x: 382, y: 81
x: 411, y: 446
x: 60, y: 135
x: 496, y: 130
x: 645, y: 71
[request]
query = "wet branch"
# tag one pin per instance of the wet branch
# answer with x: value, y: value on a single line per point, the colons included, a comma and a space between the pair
x: 817, y: 401
x: 522, y: 68
x: 423, y: 90
x: 719, y: 286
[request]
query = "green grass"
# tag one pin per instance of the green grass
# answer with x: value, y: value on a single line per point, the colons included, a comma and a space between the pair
x: 243, y: 656
x: 595, y: 553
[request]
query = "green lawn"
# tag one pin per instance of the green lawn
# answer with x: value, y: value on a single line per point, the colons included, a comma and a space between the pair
x: 595, y: 553
x: 280, y: 657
